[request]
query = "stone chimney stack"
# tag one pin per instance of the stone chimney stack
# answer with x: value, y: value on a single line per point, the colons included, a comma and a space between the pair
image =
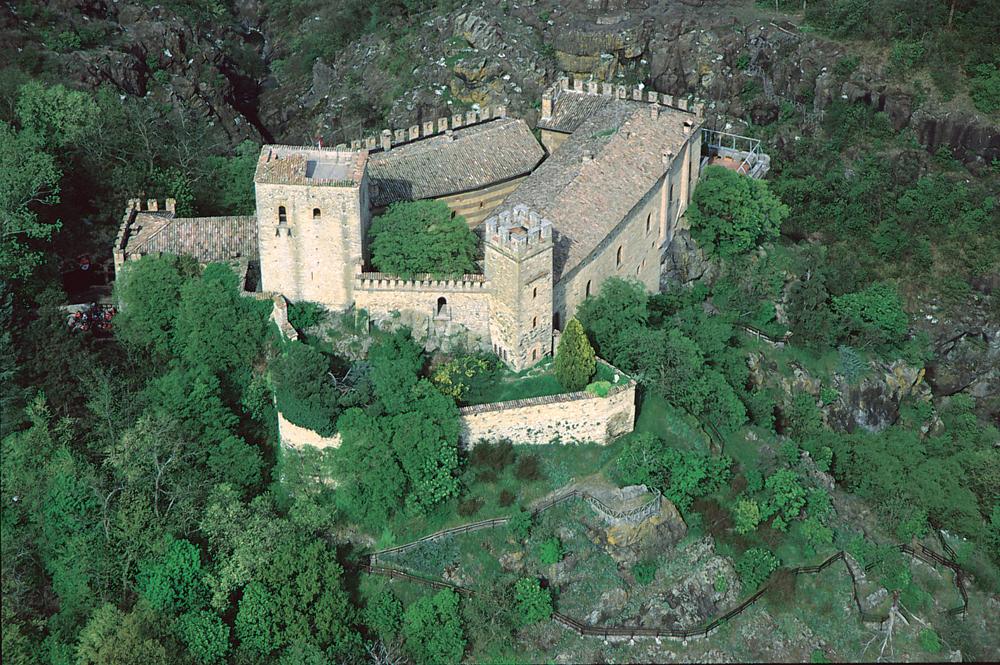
x: 546, y: 105
x: 386, y: 140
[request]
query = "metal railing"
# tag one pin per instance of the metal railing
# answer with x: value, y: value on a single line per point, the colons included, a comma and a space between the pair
x: 733, y: 145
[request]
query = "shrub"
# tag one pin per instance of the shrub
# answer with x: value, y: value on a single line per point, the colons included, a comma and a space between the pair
x: 303, y: 389
x: 534, y: 603
x: 506, y: 498
x: 519, y: 525
x: 930, y: 641
x: 984, y: 88
x: 644, y: 572
x: 746, y: 515
x: 495, y: 456
x: 575, y: 362
x: 432, y: 629
x: 466, y: 378
x: 755, y: 566
x: 470, y: 507
x: 384, y: 615
x: 599, y: 388
x: 721, y: 584
x: 528, y: 468
x: 204, y: 633
x: 305, y: 314
x: 550, y: 551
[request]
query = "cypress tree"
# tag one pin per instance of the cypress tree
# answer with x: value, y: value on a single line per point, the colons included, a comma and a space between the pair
x: 575, y: 361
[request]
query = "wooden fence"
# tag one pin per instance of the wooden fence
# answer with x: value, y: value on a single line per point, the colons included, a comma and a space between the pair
x: 628, y: 515
x: 920, y: 552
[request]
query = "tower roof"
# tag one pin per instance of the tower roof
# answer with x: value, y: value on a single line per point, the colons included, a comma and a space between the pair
x: 305, y: 165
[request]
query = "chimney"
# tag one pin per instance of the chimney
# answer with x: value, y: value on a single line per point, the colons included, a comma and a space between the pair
x: 449, y: 134
x: 386, y: 140
x: 546, y: 104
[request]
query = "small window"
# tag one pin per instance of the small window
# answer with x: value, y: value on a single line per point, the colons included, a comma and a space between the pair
x: 637, y: 271
x: 316, y: 214
x: 534, y: 322
x: 649, y: 218
x: 282, y: 215
x: 587, y: 290
x: 534, y: 292
x: 534, y: 355
x: 555, y: 321
x: 618, y: 259
x: 670, y: 195
x: 442, y: 303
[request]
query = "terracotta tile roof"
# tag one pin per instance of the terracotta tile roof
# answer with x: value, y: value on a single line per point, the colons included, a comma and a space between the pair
x: 570, y: 109
x: 600, y: 173
x: 208, y: 239
x: 471, y: 157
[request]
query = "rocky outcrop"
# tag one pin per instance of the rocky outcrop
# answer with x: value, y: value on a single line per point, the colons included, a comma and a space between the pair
x: 685, y: 263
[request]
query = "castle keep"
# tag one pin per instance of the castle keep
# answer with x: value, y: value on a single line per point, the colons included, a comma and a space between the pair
x: 600, y: 197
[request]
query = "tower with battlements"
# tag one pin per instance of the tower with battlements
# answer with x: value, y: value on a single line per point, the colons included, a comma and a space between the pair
x: 312, y: 217
x: 518, y: 258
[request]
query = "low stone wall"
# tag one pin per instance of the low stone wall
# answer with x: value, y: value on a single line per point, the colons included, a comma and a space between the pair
x: 293, y: 436
x: 571, y: 417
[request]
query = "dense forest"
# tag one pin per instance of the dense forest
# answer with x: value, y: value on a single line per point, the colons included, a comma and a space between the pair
x: 150, y: 515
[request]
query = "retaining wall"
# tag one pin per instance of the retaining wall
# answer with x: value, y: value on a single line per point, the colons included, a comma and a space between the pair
x: 571, y: 417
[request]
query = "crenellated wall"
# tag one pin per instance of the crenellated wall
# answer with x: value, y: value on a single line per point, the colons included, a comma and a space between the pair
x: 389, y: 137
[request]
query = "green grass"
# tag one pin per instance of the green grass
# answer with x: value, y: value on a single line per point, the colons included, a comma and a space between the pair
x: 669, y: 423
x: 538, y: 381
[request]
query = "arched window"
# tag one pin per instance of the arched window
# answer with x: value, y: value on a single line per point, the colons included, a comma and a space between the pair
x: 587, y: 290
x: 282, y: 215
x: 649, y: 218
x: 618, y: 259
x: 316, y: 215
x: 442, y: 303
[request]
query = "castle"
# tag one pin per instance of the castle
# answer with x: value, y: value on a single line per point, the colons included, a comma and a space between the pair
x: 600, y: 196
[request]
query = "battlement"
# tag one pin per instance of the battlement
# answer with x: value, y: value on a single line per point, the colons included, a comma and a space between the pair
x: 380, y: 281
x: 692, y: 105
x: 389, y: 138
x: 518, y: 228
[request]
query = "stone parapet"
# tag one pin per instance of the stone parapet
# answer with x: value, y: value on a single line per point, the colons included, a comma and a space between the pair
x: 692, y: 105
x: 389, y: 138
x: 279, y: 314
x: 379, y: 281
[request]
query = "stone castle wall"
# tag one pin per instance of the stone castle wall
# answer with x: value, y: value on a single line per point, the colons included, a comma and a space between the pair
x: 463, y: 318
x: 571, y: 417
x: 477, y: 205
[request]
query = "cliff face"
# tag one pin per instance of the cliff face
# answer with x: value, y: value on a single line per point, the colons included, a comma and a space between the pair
x: 234, y: 66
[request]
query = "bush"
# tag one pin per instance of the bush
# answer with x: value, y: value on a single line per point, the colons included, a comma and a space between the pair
x: 519, y: 525
x: 528, y: 468
x: 384, y: 614
x: 495, y: 456
x: 467, y: 378
x: 930, y: 641
x: 470, y: 507
x: 305, y: 314
x: 534, y: 603
x: 575, y: 362
x: 599, y: 388
x: 644, y: 572
x: 506, y: 498
x: 755, y: 566
x: 550, y: 551
x: 984, y: 88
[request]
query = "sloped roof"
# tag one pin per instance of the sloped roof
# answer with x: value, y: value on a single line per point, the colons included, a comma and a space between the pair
x: 469, y: 158
x: 207, y: 239
x: 595, y: 178
x: 307, y: 165
x: 571, y: 108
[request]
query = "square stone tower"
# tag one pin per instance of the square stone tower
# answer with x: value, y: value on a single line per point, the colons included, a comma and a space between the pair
x: 312, y: 219
x: 518, y: 253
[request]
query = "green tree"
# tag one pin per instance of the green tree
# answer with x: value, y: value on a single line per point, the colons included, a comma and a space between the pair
x: 421, y: 237
x: 373, y: 480
x: 550, y: 551
x: 112, y: 637
x: 149, y: 291
x: 809, y: 316
x: 395, y: 362
x: 575, y: 363
x: 534, y: 603
x: 256, y: 628
x: 755, y: 566
x: 29, y: 178
x: 432, y: 629
x: 731, y: 214
x: 384, y: 614
x: 173, y: 581
x: 204, y: 633
x: 303, y: 388
x: 62, y: 117
x: 746, y: 516
x: 785, y: 498
x: 216, y: 328
x: 874, y: 315
x: 612, y: 318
